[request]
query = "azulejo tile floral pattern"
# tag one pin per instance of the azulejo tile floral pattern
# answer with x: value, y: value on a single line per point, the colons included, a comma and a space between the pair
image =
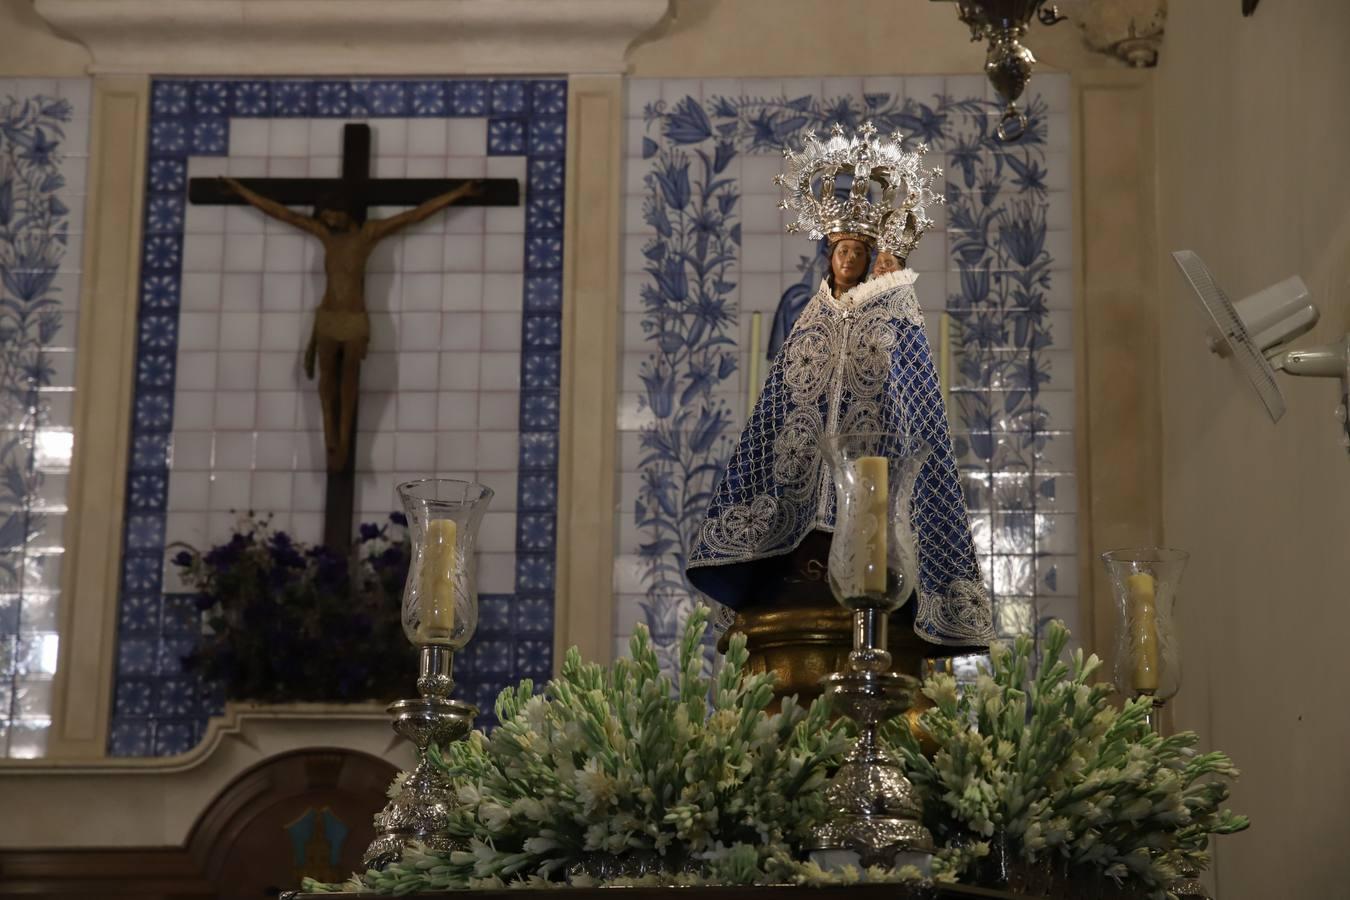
x: 706, y: 249
x: 43, y: 137
x: 159, y: 710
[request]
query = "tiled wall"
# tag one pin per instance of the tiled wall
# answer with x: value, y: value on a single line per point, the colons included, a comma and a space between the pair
x: 999, y: 260
x: 461, y: 379
x: 44, y: 140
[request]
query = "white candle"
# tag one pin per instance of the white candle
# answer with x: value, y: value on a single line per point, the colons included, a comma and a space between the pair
x: 874, y: 476
x: 436, y: 605
x: 1144, y: 615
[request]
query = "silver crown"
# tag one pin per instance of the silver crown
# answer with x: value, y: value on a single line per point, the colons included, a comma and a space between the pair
x: 894, y: 222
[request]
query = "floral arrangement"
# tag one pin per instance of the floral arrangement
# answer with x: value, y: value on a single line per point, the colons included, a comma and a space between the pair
x: 622, y: 775
x: 1052, y: 771
x: 618, y: 771
x: 290, y: 622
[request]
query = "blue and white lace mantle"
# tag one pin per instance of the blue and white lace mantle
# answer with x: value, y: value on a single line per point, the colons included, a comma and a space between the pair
x: 860, y: 362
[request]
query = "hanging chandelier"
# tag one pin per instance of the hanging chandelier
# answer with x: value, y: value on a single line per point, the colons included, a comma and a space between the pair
x: 1008, y: 63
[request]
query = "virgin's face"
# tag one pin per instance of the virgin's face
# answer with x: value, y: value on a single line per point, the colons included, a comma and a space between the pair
x: 848, y: 261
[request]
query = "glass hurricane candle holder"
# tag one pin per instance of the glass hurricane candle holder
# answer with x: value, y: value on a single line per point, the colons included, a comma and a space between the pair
x: 873, y: 814
x: 440, y: 613
x: 1144, y: 582
x: 874, y: 559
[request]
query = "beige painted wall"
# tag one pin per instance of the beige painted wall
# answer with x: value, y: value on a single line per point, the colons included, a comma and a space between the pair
x: 29, y: 47
x: 1253, y: 127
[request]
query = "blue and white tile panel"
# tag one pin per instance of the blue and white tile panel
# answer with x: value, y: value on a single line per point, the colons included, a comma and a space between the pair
x: 462, y: 378
x: 44, y: 141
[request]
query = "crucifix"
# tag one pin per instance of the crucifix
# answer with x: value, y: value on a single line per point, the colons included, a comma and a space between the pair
x: 341, y: 330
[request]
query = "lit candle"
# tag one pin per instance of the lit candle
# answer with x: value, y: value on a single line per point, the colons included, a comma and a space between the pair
x: 1144, y: 615
x: 436, y: 606
x: 874, y: 475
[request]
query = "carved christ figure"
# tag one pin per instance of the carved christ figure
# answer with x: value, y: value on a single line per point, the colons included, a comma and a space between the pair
x: 341, y: 331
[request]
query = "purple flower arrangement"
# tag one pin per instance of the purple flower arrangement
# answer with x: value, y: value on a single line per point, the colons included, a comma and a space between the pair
x: 290, y: 622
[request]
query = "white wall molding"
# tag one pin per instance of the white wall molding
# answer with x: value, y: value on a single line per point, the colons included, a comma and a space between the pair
x: 354, y: 37
x: 153, y: 801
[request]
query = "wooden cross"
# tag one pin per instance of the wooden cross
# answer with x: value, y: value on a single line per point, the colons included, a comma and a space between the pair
x: 341, y: 323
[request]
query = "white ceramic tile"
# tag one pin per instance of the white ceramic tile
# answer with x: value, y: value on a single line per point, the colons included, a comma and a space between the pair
x: 241, y: 291
x: 196, y: 370
x: 421, y: 253
x: 233, y: 450
x: 203, y: 253
x: 504, y: 220
x: 193, y: 410
x: 503, y: 256
x: 641, y: 92
x: 249, y: 137
x: 279, y: 370
x: 234, y: 410
x: 503, y: 292
x: 463, y: 252
x: 417, y: 371
x: 419, y: 331
x: 275, y: 450
x: 191, y: 451
x: 379, y: 372
x: 498, y: 451
x: 197, y: 331
x: 496, y: 573
x: 427, y: 137
x: 506, y: 167
x: 189, y: 491
x: 389, y: 137
x: 501, y: 331
x: 389, y: 167
x: 243, y: 253
x: 285, y: 167
x: 464, y: 167
x: 462, y: 292
x: 499, y: 372
x: 325, y: 166
x: 497, y: 534
x: 416, y: 411
x: 267, y: 487
x: 498, y: 411
x: 229, y: 491
x: 375, y: 452
x: 276, y: 408
x: 461, y: 331
x: 287, y: 332
x: 237, y: 371
x: 238, y: 331
x: 415, y: 450
x: 456, y: 450
x: 457, y: 411
x: 198, y: 219
x: 467, y: 137
x: 421, y: 291
x: 459, y: 371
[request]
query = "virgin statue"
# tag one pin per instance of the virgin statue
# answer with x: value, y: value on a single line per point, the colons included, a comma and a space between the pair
x: 857, y: 359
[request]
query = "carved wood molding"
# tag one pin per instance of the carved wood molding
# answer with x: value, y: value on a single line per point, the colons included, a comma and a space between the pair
x: 353, y: 37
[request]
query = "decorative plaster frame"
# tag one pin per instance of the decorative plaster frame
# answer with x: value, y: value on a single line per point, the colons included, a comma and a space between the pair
x: 353, y: 37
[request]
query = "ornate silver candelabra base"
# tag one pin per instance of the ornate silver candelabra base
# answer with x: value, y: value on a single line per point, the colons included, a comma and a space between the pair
x: 418, y: 812
x: 873, y: 812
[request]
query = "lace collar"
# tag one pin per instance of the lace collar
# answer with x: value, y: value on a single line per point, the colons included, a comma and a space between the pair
x: 859, y: 295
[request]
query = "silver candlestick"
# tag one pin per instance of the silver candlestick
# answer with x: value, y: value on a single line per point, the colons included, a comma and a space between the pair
x: 440, y: 612
x: 873, y: 813
x: 419, y: 811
